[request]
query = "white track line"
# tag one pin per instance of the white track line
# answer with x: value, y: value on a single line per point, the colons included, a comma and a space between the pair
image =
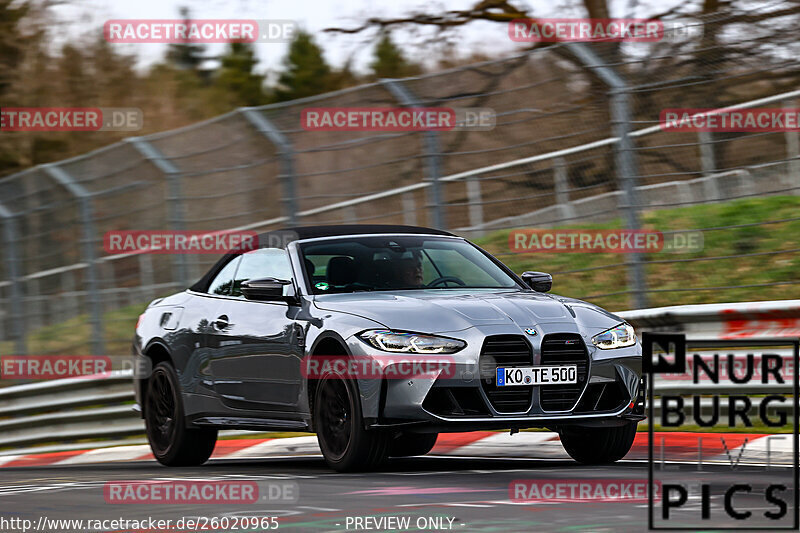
x: 8, y: 458
x: 108, y: 455
x: 290, y: 445
x: 537, y: 444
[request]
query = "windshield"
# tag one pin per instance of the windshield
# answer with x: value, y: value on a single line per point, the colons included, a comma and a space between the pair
x: 383, y: 263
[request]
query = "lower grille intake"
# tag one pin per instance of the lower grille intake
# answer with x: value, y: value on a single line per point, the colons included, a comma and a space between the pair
x: 455, y: 402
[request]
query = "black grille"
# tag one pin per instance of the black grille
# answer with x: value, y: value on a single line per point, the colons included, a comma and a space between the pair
x: 563, y: 349
x: 505, y: 351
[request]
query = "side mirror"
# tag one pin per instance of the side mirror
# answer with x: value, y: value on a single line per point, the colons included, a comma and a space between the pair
x: 265, y: 289
x: 538, y: 281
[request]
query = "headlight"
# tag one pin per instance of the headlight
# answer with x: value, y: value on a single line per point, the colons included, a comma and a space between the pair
x: 399, y: 342
x: 616, y: 337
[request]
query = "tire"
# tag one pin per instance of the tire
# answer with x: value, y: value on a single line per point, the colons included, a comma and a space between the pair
x: 346, y: 445
x: 410, y: 444
x: 172, y: 443
x: 595, y: 446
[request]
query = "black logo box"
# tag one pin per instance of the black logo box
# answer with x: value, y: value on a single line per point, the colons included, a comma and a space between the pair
x: 674, y: 343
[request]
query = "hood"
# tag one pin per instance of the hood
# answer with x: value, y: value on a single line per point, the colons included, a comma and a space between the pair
x: 441, y: 311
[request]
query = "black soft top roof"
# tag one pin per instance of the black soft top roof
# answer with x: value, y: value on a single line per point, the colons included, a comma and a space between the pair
x: 312, y: 232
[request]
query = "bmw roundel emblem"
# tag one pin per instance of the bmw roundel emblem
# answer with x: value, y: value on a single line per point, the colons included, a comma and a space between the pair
x: 531, y: 331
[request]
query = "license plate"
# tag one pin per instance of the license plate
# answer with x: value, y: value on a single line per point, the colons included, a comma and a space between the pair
x: 537, y: 375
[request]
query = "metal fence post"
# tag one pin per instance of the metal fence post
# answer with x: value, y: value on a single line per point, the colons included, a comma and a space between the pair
x: 88, y: 239
x: 286, y: 152
x: 433, y: 170
x: 176, y: 216
x: 793, y: 151
x: 624, y: 158
x: 16, y: 309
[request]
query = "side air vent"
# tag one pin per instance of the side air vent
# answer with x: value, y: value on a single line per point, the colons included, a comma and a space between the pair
x: 455, y: 402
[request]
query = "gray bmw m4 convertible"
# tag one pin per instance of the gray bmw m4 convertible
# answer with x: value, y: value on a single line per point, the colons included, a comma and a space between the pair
x: 378, y: 338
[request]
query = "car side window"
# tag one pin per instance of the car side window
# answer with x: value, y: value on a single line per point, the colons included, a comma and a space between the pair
x: 223, y: 281
x: 262, y: 263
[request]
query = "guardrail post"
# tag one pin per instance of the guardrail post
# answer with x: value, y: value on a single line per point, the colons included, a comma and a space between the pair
x: 793, y: 151
x: 475, y: 201
x: 562, y: 189
x: 747, y: 183
x: 624, y: 157
x: 433, y: 172
x: 146, y: 277
x: 285, y: 151
x: 176, y: 214
x: 70, y: 306
x: 409, y: 209
x: 16, y: 309
x: 708, y: 163
x: 88, y: 240
x: 34, y: 307
x: 110, y: 294
x: 350, y: 215
x: 6, y: 332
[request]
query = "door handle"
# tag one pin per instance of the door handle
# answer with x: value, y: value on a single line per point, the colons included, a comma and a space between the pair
x: 221, y: 322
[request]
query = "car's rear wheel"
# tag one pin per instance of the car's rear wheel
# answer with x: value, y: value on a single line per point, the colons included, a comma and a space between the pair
x: 410, y: 444
x: 346, y: 445
x: 598, y: 445
x: 173, y: 444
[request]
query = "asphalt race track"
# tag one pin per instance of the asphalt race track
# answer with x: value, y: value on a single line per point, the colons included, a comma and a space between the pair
x: 444, y: 492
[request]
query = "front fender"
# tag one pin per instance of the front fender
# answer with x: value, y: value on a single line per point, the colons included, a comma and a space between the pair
x: 341, y: 328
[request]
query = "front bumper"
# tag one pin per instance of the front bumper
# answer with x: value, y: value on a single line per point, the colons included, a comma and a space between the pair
x: 611, y: 391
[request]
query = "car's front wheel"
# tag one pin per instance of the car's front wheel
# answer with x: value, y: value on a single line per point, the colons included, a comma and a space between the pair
x: 598, y: 445
x: 172, y: 443
x: 346, y: 445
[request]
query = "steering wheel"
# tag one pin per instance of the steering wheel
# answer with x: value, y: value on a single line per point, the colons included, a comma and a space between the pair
x: 445, y: 279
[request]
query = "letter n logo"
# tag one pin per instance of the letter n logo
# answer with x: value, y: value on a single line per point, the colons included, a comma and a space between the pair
x: 669, y: 350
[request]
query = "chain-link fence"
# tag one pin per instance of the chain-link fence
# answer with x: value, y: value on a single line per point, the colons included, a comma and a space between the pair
x: 577, y: 141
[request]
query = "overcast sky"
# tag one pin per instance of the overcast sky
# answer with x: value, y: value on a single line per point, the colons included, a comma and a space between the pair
x: 83, y: 16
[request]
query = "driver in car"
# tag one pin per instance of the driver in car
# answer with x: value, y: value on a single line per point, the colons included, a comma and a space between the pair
x: 409, y: 270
